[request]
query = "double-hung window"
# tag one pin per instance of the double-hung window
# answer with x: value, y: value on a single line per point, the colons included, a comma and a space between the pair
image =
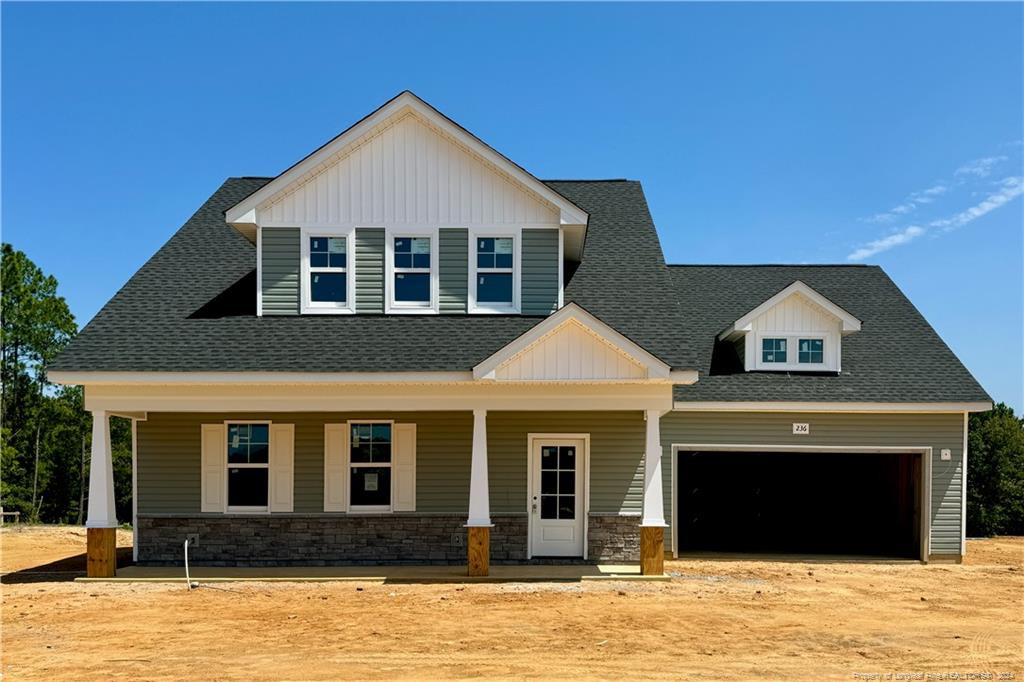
x: 494, y: 272
x: 370, y: 466
x: 248, y: 466
x: 328, y: 271
x: 412, y: 272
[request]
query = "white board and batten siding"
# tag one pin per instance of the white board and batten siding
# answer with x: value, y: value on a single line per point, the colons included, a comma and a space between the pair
x: 794, y: 317
x: 571, y: 352
x: 407, y: 172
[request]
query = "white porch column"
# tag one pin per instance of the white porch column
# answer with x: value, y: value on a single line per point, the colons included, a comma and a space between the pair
x: 654, y: 498
x: 102, y: 513
x: 479, y: 492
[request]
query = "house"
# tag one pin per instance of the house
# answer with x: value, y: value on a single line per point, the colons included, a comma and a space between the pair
x: 407, y: 349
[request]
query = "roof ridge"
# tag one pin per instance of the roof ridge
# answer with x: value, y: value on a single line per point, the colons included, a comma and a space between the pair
x: 586, y: 180
x: 771, y: 265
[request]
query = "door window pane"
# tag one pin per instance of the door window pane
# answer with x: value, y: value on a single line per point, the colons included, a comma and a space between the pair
x: 548, y: 482
x: 567, y: 482
x: 247, y: 486
x: 548, y: 458
x: 549, y: 506
x: 566, y: 507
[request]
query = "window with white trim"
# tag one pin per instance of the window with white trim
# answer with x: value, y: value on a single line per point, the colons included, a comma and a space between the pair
x: 811, y: 351
x: 412, y: 267
x: 370, y: 466
x: 328, y: 271
x: 494, y: 272
x: 773, y: 350
x: 248, y: 478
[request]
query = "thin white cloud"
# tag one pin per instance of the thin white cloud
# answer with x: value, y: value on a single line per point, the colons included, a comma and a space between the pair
x: 925, y: 196
x: 1009, y: 189
x: 870, y: 249
x: 980, y: 168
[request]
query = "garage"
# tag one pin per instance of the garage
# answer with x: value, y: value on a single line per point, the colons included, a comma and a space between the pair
x: 830, y: 503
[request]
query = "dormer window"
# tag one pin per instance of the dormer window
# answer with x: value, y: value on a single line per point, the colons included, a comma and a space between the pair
x: 412, y: 272
x: 811, y: 351
x: 495, y: 273
x: 796, y: 330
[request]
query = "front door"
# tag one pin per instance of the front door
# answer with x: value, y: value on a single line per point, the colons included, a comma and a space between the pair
x: 557, y: 505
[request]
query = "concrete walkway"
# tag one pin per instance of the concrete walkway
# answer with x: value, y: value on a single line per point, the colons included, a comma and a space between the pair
x: 376, y: 574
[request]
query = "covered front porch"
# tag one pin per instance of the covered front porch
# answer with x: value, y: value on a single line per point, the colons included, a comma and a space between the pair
x: 549, y: 451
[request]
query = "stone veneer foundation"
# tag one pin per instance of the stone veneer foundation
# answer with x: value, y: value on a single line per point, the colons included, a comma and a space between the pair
x: 321, y: 539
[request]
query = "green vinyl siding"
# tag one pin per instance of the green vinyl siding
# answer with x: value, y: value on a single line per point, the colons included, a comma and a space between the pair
x: 370, y: 270
x: 169, y: 454
x: 280, y: 270
x: 616, y: 456
x: 453, y: 269
x: 540, y: 272
x: 936, y: 431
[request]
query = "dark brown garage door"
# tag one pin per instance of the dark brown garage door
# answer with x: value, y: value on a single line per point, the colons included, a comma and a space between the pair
x: 802, y: 503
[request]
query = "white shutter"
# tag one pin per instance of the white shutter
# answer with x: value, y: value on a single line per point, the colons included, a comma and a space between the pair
x: 403, y: 467
x: 335, y: 467
x: 213, y: 486
x: 282, y: 466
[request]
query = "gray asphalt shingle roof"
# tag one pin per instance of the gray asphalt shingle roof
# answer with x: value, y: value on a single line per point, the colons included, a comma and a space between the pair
x: 191, y: 308
x: 895, y: 357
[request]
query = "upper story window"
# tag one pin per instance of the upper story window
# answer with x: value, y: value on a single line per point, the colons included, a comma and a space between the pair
x: 811, y: 351
x: 411, y: 278
x: 327, y: 272
x: 494, y: 272
x: 773, y: 350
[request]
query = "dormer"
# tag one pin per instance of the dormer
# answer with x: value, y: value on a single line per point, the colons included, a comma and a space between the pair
x: 406, y: 212
x: 796, y: 330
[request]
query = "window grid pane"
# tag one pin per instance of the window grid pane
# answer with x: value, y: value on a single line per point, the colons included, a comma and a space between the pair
x: 811, y: 351
x: 773, y: 350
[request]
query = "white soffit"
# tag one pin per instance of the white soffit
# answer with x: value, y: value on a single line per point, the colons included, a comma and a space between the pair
x: 848, y: 323
x: 573, y: 345
x: 244, y: 215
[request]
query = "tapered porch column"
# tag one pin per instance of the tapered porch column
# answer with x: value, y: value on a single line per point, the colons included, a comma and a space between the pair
x: 101, y: 522
x: 652, y: 527
x: 478, y: 545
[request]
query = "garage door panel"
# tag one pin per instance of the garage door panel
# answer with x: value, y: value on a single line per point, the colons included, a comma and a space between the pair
x: 826, y: 502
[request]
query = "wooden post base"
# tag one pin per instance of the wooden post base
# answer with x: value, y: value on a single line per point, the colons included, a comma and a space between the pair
x: 478, y: 550
x: 652, y: 550
x: 101, y: 552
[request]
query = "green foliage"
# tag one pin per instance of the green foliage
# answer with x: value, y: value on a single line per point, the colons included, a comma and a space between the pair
x: 45, y: 427
x: 995, y: 473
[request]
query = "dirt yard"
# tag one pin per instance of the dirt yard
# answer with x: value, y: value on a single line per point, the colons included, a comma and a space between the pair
x: 715, y: 620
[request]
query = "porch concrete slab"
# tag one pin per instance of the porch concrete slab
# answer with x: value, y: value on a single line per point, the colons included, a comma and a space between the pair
x: 375, y: 574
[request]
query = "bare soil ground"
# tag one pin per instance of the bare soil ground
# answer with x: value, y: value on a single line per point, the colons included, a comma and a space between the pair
x: 716, y: 619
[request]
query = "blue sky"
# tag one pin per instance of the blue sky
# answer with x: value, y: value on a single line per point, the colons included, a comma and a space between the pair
x: 878, y: 133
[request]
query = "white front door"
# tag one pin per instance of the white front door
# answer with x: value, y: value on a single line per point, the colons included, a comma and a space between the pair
x: 557, y: 504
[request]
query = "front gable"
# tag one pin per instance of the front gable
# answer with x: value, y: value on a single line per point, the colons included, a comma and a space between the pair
x: 572, y: 345
x: 404, y: 164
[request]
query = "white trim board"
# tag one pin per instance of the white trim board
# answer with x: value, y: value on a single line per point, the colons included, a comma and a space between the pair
x: 698, y: 406
x: 926, y: 477
x: 244, y: 215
